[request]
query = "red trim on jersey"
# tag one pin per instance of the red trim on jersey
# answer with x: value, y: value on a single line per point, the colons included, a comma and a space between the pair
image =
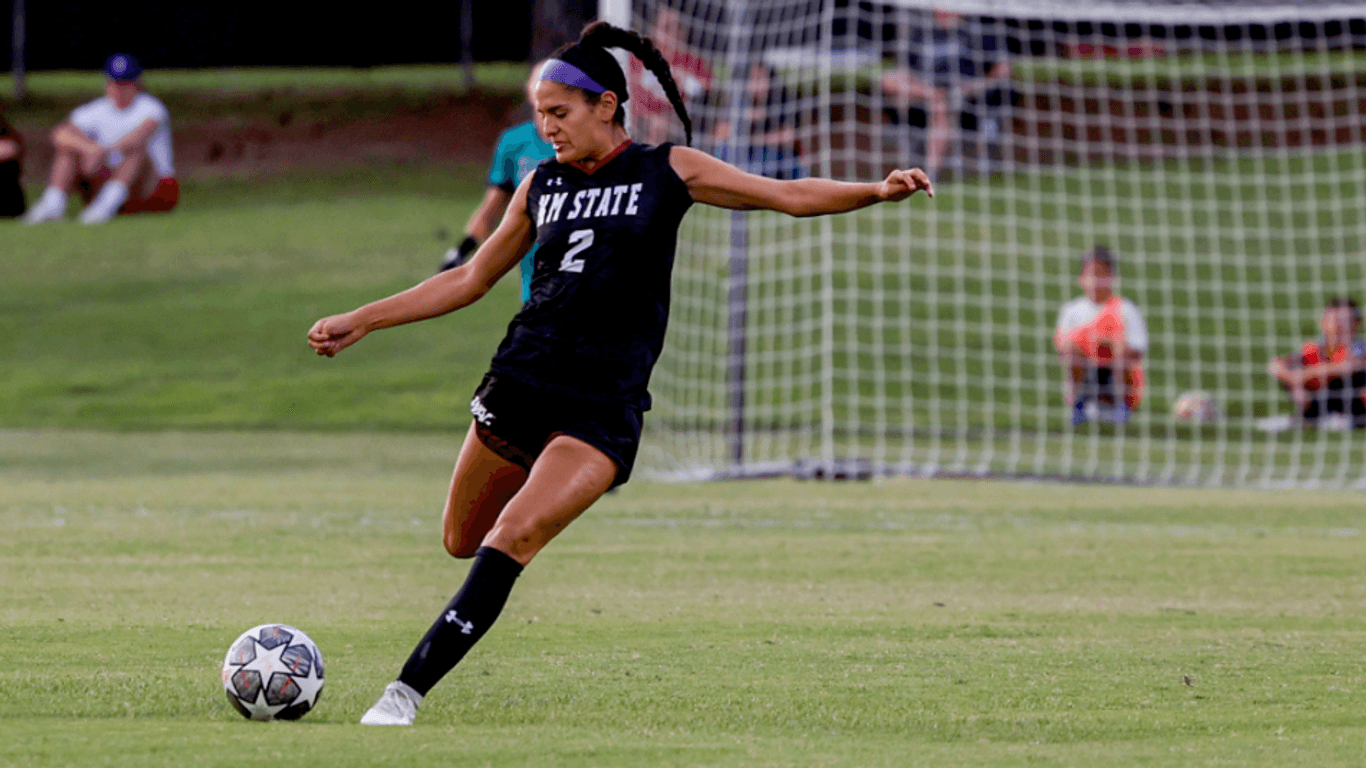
x: 609, y: 157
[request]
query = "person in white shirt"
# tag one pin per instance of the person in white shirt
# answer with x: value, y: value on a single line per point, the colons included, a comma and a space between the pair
x: 1101, y: 338
x: 114, y: 151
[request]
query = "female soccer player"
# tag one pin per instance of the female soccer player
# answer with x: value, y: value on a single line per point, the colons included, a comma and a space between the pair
x: 557, y: 419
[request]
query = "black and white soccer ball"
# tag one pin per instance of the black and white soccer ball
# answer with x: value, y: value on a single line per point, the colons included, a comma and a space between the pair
x: 273, y: 672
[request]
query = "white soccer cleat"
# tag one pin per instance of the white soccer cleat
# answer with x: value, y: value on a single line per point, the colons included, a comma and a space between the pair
x: 398, y: 706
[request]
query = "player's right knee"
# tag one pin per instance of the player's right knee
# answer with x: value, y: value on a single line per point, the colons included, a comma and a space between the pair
x: 458, y: 547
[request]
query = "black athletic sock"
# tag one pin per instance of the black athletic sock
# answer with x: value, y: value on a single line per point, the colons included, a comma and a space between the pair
x: 466, y: 618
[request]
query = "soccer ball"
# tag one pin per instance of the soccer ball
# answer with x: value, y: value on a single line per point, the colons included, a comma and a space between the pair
x: 1196, y: 407
x: 273, y: 672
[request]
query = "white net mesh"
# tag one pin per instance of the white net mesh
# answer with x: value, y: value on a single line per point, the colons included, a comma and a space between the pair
x: 1216, y: 148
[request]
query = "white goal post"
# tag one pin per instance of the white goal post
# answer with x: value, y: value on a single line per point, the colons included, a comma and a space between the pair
x: 1216, y: 148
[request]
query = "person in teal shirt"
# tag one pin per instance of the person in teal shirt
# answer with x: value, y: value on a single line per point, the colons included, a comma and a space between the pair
x: 520, y: 149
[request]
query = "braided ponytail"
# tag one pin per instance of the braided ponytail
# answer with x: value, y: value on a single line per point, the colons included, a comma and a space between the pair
x: 604, y: 35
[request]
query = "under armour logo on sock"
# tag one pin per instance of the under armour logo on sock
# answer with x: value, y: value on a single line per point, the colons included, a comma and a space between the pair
x: 466, y: 627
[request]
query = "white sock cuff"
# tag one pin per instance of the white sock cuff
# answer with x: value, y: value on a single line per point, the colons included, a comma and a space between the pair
x: 409, y: 691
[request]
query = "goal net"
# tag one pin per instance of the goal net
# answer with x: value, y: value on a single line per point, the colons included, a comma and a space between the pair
x: 1215, y: 149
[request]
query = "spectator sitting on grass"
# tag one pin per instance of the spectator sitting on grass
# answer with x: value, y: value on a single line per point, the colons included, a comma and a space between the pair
x: 1101, y: 338
x: 1326, y: 380
x: 115, y: 151
x: 11, y: 155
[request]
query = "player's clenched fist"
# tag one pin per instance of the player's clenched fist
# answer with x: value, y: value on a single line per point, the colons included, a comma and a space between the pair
x: 900, y: 185
x: 331, y: 335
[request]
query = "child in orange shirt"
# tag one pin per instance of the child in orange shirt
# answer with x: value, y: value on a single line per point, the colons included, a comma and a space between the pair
x: 1101, y: 338
x: 1327, y: 378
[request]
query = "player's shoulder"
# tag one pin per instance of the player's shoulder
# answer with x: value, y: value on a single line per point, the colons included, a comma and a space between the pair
x: 146, y: 103
x: 97, y: 106
x: 682, y: 160
x: 516, y: 133
x: 668, y: 163
x: 1076, y: 303
x: 1129, y: 305
x: 522, y: 141
x: 519, y: 136
x: 144, y: 97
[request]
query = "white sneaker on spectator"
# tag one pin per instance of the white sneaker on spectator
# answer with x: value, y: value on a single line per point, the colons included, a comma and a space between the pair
x: 1335, y: 422
x: 107, y: 203
x: 397, y: 706
x: 1274, y: 423
x: 50, y: 207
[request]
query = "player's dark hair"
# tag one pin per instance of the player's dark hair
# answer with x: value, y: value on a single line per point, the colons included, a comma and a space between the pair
x: 600, y: 35
x: 1102, y: 255
x: 1345, y: 302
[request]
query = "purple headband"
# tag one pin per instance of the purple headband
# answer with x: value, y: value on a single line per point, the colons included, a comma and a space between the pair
x: 563, y: 72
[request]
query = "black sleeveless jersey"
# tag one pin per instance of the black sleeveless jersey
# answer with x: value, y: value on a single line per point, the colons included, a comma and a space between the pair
x: 594, y: 325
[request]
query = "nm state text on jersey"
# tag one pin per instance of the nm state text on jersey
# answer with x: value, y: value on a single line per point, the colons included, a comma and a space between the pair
x: 594, y: 202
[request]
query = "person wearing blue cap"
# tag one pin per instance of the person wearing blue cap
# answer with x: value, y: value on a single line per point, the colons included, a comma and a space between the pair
x: 114, y: 151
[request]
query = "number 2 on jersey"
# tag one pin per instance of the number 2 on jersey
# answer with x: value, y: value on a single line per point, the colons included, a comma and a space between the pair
x: 581, y: 240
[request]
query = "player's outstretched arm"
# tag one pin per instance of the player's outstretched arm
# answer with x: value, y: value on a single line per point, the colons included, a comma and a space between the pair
x: 437, y: 295
x: 714, y: 182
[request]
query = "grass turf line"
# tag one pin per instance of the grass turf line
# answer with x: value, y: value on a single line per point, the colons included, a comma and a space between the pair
x: 243, y: 94
x: 774, y: 623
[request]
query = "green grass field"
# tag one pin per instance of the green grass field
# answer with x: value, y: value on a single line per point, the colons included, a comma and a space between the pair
x: 199, y: 319
x: 759, y: 624
x: 177, y: 466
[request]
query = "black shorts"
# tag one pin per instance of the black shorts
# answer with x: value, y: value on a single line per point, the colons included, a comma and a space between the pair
x: 516, y: 420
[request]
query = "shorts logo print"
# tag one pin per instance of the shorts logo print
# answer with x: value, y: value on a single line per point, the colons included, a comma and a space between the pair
x: 481, y: 413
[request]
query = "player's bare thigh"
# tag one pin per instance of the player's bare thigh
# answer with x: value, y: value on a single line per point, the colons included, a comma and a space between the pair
x: 566, y: 479
x: 481, y: 486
